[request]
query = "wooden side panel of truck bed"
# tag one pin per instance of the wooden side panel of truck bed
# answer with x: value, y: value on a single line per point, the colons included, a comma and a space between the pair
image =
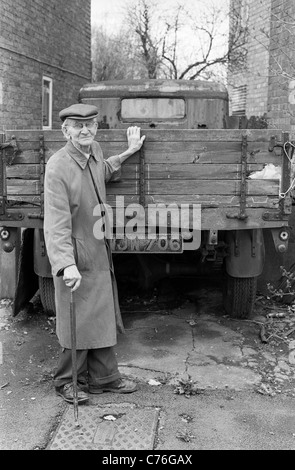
x: 175, y: 166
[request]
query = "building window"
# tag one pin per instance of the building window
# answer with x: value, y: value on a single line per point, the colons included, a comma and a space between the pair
x: 47, y: 103
x: 238, y: 100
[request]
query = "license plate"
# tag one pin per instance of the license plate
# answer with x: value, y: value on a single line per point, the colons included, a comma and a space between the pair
x: 157, y: 245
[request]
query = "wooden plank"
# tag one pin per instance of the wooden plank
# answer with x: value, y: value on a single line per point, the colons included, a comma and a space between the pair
x: 23, y: 145
x: 26, y: 211
x: 171, y: 153
x: 188, y: 171
x: 161, y: 135
x: 29, y: 195
x: 26, y: 187
x: 197, y: 135
x: 26, y: 171
x: 28, y: 152
x: 122, y: 200
x: 212, y: 200
x: 129, y: 187
x: 27, y: 157
x: 14, y: 200
x: 194, y: 171
x: 188, y: 187
x: 216, y: 219
x: 206, y: 145
x: 21, y: 135
x: 32, y: 156
x: 222, y: 218
x: 231, y: 187
x: 193, y: 152
x: 130, y: 172
x: 206, y: 200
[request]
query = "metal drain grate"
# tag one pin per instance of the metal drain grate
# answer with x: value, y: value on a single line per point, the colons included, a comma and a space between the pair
x: 111, y: 427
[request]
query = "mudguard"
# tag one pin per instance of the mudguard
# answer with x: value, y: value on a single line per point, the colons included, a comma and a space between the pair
x: 42, y: 265
x: 27, y: 281
x: 246, y: 253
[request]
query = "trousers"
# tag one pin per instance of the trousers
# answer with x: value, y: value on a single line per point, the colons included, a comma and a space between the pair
x: 96, y: 366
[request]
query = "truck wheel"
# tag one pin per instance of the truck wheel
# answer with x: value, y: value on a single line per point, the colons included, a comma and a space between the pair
x: 239, y: 295
x: 46, y: 290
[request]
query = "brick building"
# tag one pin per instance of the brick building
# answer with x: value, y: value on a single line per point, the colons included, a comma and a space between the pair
x: 265, y: 86
x: 45, y: 58
x: 45, y: 51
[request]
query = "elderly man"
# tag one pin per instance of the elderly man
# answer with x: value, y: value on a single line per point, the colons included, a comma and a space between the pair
x: 74, y: 184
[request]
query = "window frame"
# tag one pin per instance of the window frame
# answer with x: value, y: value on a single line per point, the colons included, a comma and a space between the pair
x: 239, y: 100
x: 45, y: 78
x: 150, y: 118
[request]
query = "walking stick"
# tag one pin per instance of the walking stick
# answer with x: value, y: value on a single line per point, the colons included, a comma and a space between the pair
x: 74, y: 357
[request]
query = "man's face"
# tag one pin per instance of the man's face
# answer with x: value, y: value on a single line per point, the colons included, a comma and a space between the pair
x: 82, y: 132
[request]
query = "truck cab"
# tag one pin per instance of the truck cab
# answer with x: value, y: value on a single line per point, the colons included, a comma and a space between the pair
x: 158, y: 104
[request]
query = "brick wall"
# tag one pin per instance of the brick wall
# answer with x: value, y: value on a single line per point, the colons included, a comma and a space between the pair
x: 258, y: 57
x: 254, y: 76
x: 270, y: 71
x: 41, y: 37
x: 281, y: 105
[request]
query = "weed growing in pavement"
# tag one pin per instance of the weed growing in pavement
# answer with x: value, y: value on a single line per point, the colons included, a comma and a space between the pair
x: 187, y: 388
x: 285, y: 287
x: 185, y: 436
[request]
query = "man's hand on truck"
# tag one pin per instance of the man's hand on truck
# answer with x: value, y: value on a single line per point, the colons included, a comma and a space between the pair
x: 72, y: 277
x: 134, y: 142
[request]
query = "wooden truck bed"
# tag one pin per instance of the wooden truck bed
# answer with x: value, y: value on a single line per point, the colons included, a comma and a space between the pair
x: 207, y: 167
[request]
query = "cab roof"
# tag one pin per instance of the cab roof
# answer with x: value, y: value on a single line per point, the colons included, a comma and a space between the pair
x: 153, y: 87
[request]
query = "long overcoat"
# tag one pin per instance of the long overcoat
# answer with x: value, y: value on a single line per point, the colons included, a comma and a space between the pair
x: 70, y: 197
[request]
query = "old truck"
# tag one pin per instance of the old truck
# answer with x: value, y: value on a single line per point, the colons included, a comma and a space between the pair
x: 193, y: 161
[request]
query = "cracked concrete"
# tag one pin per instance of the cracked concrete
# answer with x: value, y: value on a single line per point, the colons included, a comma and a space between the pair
x: 211, y: 354
x: 193, y: 341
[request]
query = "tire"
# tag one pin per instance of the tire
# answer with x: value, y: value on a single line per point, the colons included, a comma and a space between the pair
x: 239, y: 296
x: 46, y: 291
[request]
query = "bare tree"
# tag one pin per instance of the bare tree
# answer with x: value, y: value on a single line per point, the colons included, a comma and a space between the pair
x: 140, y: 17
x: 170, y: 43
x: 112, y: 56
x: 210, y: 45
x: 273, y: 35
x: 276, y: 37
x: 186, y: 44
x: 173, y: 43
x: 283, y: 49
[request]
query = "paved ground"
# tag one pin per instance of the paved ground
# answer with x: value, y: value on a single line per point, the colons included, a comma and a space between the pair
x: 205, y: 381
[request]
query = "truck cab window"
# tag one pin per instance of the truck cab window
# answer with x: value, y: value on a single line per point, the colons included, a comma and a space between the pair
x: 143, y: 109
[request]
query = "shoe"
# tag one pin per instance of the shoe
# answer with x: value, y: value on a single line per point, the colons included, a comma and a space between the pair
x: 83, y: 384
x: 118, y: 386
x: 67, y: 392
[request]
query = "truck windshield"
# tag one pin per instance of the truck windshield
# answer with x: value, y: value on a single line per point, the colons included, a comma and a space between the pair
x: 152, y: 108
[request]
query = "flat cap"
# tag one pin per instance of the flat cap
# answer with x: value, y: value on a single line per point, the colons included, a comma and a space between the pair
x: 79, y: 111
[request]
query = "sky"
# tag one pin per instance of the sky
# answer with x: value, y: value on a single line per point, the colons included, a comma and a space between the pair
x: 111, y: 12
x: 107, y: 11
